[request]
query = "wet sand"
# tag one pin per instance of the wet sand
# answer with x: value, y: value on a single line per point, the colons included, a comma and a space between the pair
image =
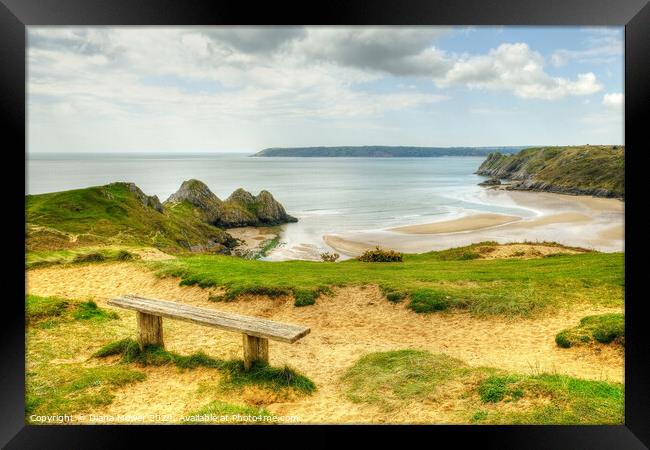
x: 252, y: 238
x: 582, y: 221
x: 473, y: 222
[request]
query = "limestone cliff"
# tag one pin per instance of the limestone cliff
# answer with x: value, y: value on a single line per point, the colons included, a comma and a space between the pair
x: 239, y: 210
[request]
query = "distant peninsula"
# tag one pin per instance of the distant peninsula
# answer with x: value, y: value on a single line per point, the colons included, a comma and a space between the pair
x: 382, y: 151
x: 597, y: 170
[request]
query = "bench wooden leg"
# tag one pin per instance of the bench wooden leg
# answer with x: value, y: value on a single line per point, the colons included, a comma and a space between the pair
x: 150, y: 330
x: 255, y: 349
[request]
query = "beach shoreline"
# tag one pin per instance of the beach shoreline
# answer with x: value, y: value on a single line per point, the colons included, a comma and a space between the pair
x: 590, y: 222
x: 467, y: 223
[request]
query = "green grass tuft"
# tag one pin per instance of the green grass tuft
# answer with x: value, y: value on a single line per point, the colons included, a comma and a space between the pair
x: 44, y: 258
x: 430, y: 300
x: 48, y: 312
x: 602, y: 328
x: 230, y: 413
x: 90, y: 311
x: 38, y: 308
x: 236, y: 376
x: 69, y: 389
x: 304, y: 297
x: 556, y: 399
x: 495, y: 388
x: 392, y: 379
x: 403, y: 379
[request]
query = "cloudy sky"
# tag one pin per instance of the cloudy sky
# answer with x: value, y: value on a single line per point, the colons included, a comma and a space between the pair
x: 195, y: 89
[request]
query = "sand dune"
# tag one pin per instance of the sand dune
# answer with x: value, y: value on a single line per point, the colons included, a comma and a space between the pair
x: 352, y: 322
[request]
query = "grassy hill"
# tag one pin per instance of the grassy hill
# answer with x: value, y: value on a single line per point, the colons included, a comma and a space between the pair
x: 586, y: 170
x: 118, y: 213
x: 382, y: 151
x: 429, y: 282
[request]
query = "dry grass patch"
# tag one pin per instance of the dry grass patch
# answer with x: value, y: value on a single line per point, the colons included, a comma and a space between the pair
x: 401, y: 379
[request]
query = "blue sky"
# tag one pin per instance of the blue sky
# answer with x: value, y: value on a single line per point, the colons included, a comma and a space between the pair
x: 213, y: 89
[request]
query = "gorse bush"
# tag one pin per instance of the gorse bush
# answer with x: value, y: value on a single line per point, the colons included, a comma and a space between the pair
x: 89, y: 257
x: 380, y: 255
x: 329, y: 257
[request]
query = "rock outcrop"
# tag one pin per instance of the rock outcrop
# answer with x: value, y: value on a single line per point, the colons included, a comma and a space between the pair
x: 239, y: 210
x: 579, y: 170
x: 490, y: 182
x: 117, y: 214
x: 151, y: 201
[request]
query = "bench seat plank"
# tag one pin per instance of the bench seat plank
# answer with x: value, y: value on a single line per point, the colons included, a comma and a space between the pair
x: 252, y: 326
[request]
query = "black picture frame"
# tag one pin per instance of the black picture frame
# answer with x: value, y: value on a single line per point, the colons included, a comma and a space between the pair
x: 15, y: 15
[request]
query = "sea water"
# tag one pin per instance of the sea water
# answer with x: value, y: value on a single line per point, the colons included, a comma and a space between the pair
x: 327, y: 195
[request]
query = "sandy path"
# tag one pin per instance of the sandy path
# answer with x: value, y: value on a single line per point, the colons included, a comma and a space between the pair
x: 352, y: 322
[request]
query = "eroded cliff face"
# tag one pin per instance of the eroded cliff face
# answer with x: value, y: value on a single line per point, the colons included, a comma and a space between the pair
x: 151, y: 201
x: 580, y: 170
x: 239, y: 210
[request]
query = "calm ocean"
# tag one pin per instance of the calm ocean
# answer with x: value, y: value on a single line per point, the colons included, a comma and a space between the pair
x: 327, y: 195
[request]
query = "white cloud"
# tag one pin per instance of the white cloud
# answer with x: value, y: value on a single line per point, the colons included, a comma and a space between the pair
x: 613, y: 100
x: 195, y: 87
x: 602, y: 46
x: 396, y: 50
x: 517, y: 68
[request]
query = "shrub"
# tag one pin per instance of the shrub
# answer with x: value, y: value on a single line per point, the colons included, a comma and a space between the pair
x: 380, y: 255
x: 124, y: 255
x: 603, y: 328
x: 329, y: 257
x: 396, y: 296
x: 89, y: 257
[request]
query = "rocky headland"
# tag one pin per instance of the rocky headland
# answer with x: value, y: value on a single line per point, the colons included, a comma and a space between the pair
x: 241, y: 209
x: 192, y: 219
x: 580, y: 170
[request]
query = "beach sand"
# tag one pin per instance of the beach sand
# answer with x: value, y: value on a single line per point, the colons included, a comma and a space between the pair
x: 593, y: 223
x: 473, y: 222
x: 252, y: 238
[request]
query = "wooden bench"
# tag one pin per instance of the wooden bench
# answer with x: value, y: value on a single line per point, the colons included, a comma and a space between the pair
x: 256, y: 331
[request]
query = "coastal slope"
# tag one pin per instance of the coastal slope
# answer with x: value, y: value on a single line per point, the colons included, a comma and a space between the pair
x: 578, y: 170
x: 381, y: 151
x: 121, y: 214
